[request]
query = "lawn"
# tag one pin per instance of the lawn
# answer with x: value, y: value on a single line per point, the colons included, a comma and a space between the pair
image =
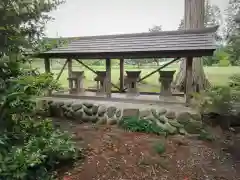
x: 216, y: 75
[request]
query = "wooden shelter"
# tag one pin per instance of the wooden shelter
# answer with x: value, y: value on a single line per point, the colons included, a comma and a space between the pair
x: 166, y: 44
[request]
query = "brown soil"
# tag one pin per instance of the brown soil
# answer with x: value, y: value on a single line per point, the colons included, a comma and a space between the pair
x: 114, y: 154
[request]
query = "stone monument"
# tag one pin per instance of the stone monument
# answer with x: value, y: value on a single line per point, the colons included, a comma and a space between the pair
x: 131, y: 82
x: 76, y: 82
x: 166, y: 78
x: 101, y: 82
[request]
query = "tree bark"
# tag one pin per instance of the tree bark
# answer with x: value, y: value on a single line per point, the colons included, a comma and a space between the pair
x: 193, y: 18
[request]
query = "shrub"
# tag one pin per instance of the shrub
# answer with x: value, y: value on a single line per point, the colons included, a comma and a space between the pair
x: 218, y: 99
x: 135, y: 125
x: 38, y: 156
x: 206, y: 136
x: 159, y: 147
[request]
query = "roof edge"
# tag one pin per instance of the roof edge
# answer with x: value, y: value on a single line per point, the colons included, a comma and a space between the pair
x: 212, y: 29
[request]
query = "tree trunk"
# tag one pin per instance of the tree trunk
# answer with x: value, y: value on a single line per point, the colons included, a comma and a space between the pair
x: 193, y: 18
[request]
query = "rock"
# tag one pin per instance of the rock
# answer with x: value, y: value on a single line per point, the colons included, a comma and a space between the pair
x: 102, y: 120
x: 163, y: 119
x: 193, y: 127
x: 95, y: 109
x: 88, y: 105
x: 76, y: 107
x: 111, y: 111
x: 102, y: 110
x: 170, y: 115
x: 68, y: 104
x: 170, y: 129
x: 144, y: 113
x: 184, y: 118
x: 180, y: 140
x: 118, y: 113
x: 154, y: 113
x: 69, y: 115
x: 162, y: 112
x: 130, y: 113
x: 112, y: 121
x: 86, y: 118
x: 182, y: 131
x: 93, y: 119
x: 78, y: 114
x: 59, y: 103
x: 196, y: 117
x: 175, y: 124
x: 50, y: 102
x: 87, y: 111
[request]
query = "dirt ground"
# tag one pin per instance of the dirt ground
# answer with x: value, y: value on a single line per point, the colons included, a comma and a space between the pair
x: 114, y: 154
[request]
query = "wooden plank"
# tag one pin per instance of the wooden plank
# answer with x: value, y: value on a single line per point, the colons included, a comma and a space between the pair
x: 47, y: 65
x: 60, y: 73
x: 163, y: 66
x: 122, y: 75
x: 108, y: 74
x: 92, y: 70
x: 189, y: 83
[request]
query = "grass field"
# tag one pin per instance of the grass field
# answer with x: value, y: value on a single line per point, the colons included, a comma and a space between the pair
x: 216, y: 75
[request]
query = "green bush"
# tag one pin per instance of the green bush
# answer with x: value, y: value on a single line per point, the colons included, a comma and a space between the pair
x: 218, y: 99
x: 159, y: 147
x: 41, y: 153
x: 135, y: 125
x: 206, y: 136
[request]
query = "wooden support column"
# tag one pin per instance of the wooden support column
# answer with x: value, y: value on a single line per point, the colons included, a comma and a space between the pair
x: 189, y: 83
x: 108, y: 74
x: 47, y: 70
x: 122, y: 75
x: 70, y: 85
x: 47, y: 65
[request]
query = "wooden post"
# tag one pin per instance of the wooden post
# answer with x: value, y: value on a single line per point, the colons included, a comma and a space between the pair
x: 189, y: 83
x: 47, y: 70
x: 70, y: 83
x: 108, y: 74
x: 122, y: 75
x: 47, y: 65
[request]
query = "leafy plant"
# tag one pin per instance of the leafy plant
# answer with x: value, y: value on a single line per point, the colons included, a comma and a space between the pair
x: 218, y: 99
x: 159, y: 147
x: 135, y: 125
x: 206, y: 136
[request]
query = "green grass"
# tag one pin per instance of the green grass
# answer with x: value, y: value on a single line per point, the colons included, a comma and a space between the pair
x: 216, y: 75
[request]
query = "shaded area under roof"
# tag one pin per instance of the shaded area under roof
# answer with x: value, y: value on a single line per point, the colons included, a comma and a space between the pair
x: 194, y: 42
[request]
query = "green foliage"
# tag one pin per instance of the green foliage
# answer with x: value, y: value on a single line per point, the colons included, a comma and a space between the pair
x: 159, y: 147
x: 43, y: 149
x: 216, y: 99
x: 30, y: 147
x: 224, y: 63
x: 219, y: 99
x: 206, y: 136
x: 235, y: 82
x: 22, y: 23
x: 135, y: 125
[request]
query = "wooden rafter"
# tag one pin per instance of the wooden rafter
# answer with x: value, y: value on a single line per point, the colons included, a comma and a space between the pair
x: 163, y: 66
x: 60, y: 73
x: 80, y: 62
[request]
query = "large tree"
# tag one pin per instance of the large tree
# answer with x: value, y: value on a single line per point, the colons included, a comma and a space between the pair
x: 22, y: 23
x: 196, y: 17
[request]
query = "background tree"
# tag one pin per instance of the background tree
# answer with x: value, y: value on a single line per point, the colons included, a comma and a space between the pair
x: 232, y: 33
x: 156, y: 29
x: 193, y: 18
